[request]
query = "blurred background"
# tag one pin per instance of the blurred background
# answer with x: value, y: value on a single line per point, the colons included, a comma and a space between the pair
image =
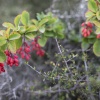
x: 23, y: 83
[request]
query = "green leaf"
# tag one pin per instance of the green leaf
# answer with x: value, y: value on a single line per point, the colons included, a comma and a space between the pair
x: 31, y: 28
x: 96, y: 48
x: 14, y: 36
x: 97, y: 31
x: 30, y: 36
x: 92, y: 6
x: 97, y: 23
x: 42, y: 29
x: 89, y: 14
x: 8, y: 25
x: 91, y: 40
x: 25, y: 18
x: 2, y: 57
x: 22, y: 29
x: 17, y: 20
x: 52, y: 20
x: 18, y: 43
x: 49, y: 34
x: 60, y: 36
x: 42, y: 41
x: 2, y: 32
x: 35, y: 22
x: 85, y: 45
x: 12, y: 46
x: 4, y: 47
x: 43, y: 21
x: 98, y: 15
x: 2, y: 41
x: 92, y: 36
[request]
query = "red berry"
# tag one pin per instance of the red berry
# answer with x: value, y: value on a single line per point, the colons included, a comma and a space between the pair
x: 98, y: 36
x: 89, y: 24
x: 27, y: 57
x: 2, y: 68
x: 27, y: 50
x: 83, y: 24
x: 23, y: 55
x: 40, y: 53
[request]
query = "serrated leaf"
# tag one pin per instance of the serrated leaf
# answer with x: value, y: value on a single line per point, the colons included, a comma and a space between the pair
x: 25, y: 18
x: 2, y: 57
x: 30, y: 36
x: 8, y: 25
x: 14, y: 36
x: 42, y: 41
x: 17, y: 20
x: 96, y: 48
x: 92, y: 6
x: 12, y: 46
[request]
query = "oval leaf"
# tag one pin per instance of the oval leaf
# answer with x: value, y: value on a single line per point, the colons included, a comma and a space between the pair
x: 2, y: 57
x: 2, y: 41
x: 17, y: 20
x: 32, y: 28
x: 8, y: 25
x: 30, y: 36
x: 89, y: 14
x: 18, y: 43
x: 12, y: 46
x: 85, y: 45
x: 42, y: 41
x: 92, y: 5
x: 96, y: 48
x: 25, y: 18
x: 14, y: 36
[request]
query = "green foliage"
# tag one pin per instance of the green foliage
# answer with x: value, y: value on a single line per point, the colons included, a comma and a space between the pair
x: 85, y: 44
x: 42, y: 41
x: 96, y: 48
x: 25, y: 18
x: 17, y: 20
x: 93, y: 16
x: 92, y: 6
x: 2, y: 56
x: 45, y: 26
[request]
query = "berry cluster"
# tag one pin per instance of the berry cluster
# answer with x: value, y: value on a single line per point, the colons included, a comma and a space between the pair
x: 36, y: 47
x: 12, y: 59
x: 2, y: 68
x: 86, y: 29
x: 24, y: 51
